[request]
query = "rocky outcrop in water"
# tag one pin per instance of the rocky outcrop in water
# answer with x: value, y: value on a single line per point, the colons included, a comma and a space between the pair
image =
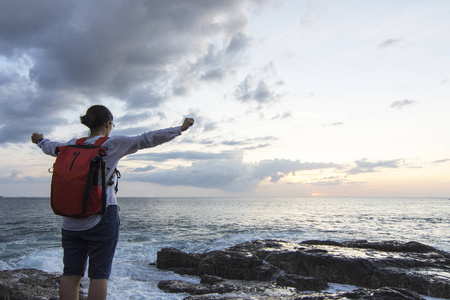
x: 388, y: 267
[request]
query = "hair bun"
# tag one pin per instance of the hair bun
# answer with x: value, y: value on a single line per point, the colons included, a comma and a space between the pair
x: 96, y: 116
x: 87, y: 120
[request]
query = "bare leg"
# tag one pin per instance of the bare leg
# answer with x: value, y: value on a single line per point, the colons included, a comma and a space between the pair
x: 97, y: 289
x: 69, y: 288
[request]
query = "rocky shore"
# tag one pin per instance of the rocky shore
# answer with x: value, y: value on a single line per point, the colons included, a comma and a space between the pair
x: 30, y: 284
x: 272, y: 269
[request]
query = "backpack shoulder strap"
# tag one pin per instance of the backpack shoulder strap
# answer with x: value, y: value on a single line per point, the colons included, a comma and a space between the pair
x: 100, y: 141
x: 80, y: 141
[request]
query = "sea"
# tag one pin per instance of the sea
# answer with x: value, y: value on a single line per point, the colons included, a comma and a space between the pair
x: 30, y: 232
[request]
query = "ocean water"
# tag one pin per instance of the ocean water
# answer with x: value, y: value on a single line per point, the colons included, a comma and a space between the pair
x: 30, y: 232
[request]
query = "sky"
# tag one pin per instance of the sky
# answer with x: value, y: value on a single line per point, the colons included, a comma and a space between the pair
x: 290, y: 98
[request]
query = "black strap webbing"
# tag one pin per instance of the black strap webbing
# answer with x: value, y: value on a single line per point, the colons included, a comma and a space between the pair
x: 103, y: 169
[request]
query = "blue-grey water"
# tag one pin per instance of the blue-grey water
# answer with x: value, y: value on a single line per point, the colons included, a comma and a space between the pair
x: 30, y: 233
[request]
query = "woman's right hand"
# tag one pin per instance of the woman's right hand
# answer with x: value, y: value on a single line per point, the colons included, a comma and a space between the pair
x: 188, y: 122
x: 36, y: 137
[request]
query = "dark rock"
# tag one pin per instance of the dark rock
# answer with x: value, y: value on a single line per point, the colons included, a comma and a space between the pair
x: 178, y: 261
x: 385, y: 293
x: 374, y: 265
x: 30, y: 284
x: 236, y: 265
x: 301, y: 283
x: 360, y: 294
x: 24, y: 284
x: 373, y: 268
x: 391, y: 246
x: 229, y: 288
x: 180, y: 286
x: 210, y: 279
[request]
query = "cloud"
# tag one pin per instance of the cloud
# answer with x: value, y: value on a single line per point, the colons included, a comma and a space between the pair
x: 326, y: 181
x: 67, y: 55
x: 218, y: 62
x: 390, y: 42
x: 401, y: 104
x: 209, y: 126
x: 251, y: 89
x: 145, y: 169
x: 334, y: 124
x: 279, y: 168
x: 239, y: 42
x: 365, y: 166
x: 14, y: 177
x: 225, y: 171
x: 440, y: 161
x: 24, y: 111
x: 260, y: 87
x: 249, y: 141
x: 186, y: 155
x: 286, y: 115
x: 259, y: 146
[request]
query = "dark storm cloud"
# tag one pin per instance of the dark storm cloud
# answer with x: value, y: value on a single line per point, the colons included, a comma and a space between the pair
x: 219, y: 61
x: 112, y: 45
x: 71, y: 54
x: 23, y: 111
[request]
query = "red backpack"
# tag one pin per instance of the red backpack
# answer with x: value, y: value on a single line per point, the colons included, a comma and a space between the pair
x: 75, y: 189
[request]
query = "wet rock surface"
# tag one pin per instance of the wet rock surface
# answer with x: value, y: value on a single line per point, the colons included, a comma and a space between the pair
x: 360, y: 294
x: 24, y: 284
x: 384, y: 270
x: 30, y: 284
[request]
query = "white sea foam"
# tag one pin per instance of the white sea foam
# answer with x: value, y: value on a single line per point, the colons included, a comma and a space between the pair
x: 48, y: 260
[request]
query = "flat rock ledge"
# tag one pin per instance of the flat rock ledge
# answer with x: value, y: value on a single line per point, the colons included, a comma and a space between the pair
x: 274, y: 269
x: 30, y: 284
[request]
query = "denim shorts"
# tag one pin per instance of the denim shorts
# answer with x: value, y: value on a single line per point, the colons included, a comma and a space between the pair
x: 98, y: 243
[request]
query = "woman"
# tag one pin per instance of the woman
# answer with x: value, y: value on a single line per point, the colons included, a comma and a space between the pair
x: 95, y: 237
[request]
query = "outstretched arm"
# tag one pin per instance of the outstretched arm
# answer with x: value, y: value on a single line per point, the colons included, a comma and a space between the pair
x: 47, y: 146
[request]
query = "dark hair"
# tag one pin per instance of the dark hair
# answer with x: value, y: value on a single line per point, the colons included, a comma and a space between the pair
x: 96, y: 116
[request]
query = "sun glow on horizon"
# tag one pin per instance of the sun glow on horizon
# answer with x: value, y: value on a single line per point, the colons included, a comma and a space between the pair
x: 318, y: 195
